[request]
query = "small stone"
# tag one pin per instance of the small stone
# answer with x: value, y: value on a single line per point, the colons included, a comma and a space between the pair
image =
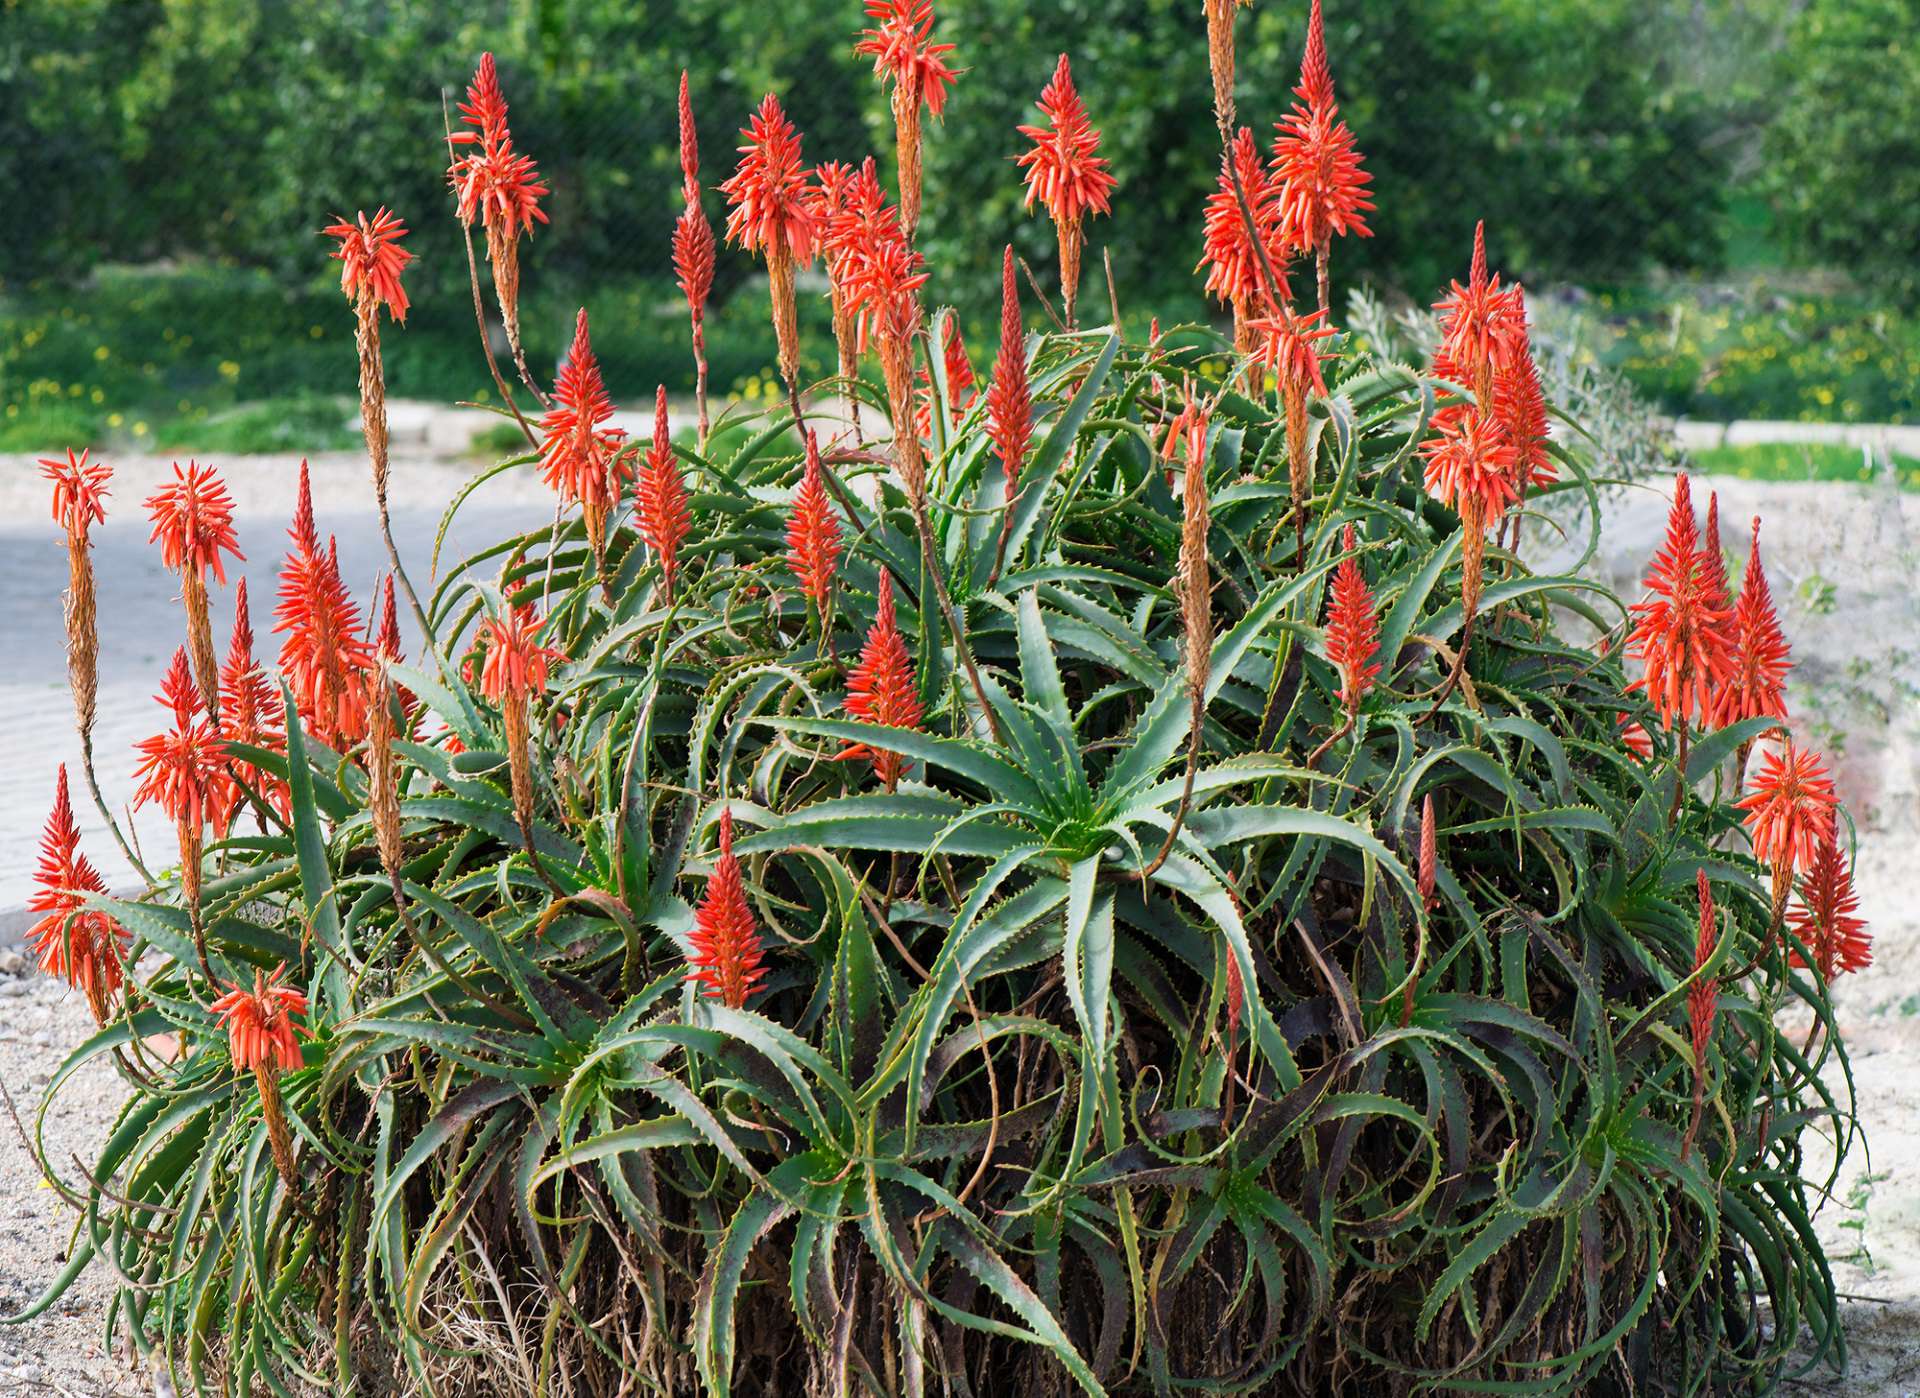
x: 12, y: 963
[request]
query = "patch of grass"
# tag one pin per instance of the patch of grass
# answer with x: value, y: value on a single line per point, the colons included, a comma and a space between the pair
x: 217, y: 358
x: 1802, y: 461
x: 1760, y: 349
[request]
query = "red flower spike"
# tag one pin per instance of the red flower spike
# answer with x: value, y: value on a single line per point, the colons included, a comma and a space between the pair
x: 371, y: 259
x: 1826, y: 919
x: 193, y: 521
x: 1289, y: 346
x: 1678, y: 634
x: 1064, y: 172
x: 1228, y: 255
x: 961, y: 392
x: 1469, y: 459
x: 250, y: 706
x: 813, y: 532
x: 883, y: 688
x: 689, y: 145
x: 1757, y: 686
x: 517, y: 662
x: 578, y: 457
x: 494, y: 183
x: 306, y: 538
x: 728, y: 956
x: 661, y: 497
x: 1010, y: 397
x: 87, y: 949
x: 184, y: 771
x: 79, y: 492
x: 693, y: 256
x: 903, y: 53
x: 1713, y: 559
x: 325, y: 645
x: 1790, y: 810
x: 1236, y: 998
x: 386, y: 643
x: 1353, y: 628
x: 1316, y: 80
x: 1520, y: 408
x: 880, y: 272
x: 1316, y: 167
x: 1428, y: 883
x: 261, y: 1034
x: 1483, y: 326
x: 768, y: 190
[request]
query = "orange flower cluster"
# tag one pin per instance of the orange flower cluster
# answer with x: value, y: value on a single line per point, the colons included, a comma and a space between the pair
x: 661, y: 498
x: 371, y: 259
x: 261, y: 1033
x: 813, y: 533
x: 1353, y: 627
x: 325, y: 656
x: 773, y: 215
x: 903, y: 53
x: 728, y: 958
x: 83, y: 946
x: 1230, y: 255
x: 961, y: 390
x: 1066, y: 173
x: 1826, y: 920
x: 497, y: 185
x: 579, y: 456
x: 883, y: 687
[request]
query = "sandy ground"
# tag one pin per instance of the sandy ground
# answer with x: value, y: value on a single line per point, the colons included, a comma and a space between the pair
x: 1847, y: 579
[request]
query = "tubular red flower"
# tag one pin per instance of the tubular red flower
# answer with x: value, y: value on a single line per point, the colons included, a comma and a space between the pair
x: 1757, y: 686
x: 880, y: 272
x: 493, y: 183
x: 1064, y: 171
x: 578, y: 457
x: 813, y: 532
x: 184, y: 771
x: 661, y: 497
x: 961, y: 391
x: 85, y: 948
x: 1009, y: 396
x: 693, y: 256
x: 79, y: 492
x: 768, y: 190
x: 1316, y: 167
x: 1790, y: 809
x: 1230, y: 257
x: 193, y: 521
x: 1289, y: 346
x: 1316, y: 79
x: 250, y: 707
x: 261, y: 1033
x: 1826, y: 918
x: 371, y: 259
x: 1469, y: 462
x: 1713, y: 560
x: 1678, y: 634
x: 325, y: 649
x: 1520, y: 408
x: 1482, y: 325
x: 883, y: 688
x: 903, y: 53
x: 516, y: 662
x: 1353, y: 628
x: 728, y: 956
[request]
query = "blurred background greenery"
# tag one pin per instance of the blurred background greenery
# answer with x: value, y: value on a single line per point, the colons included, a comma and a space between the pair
x: 1723, y: 196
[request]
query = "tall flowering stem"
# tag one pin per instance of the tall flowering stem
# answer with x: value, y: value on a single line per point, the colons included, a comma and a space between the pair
x: 1470, y: 467
x: 498, y: 186
x: 514, y: 672
x: 773, y: 215
x: 580, y: 456
x: 661, y: 499
x: 1761, y: 658
x: 1703, y: 998
x: 904, y: 54
x: 184, y: 772
x: 193, y: 524
x: 1194, y: 589
x: 263, y: 1039
x: 729, y: 959
x: 813, y: 540
x: 84, y: 947
x: 693, y: 253
x: 1353, y: 639
x: 1220, y: 59
x: 1009, y: 405
x: 1289, y: 345
x: 1316, y: 164
x: 883, y: 278
x: 1065, y: 172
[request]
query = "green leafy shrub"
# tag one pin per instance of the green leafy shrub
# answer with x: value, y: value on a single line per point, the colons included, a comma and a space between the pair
x: 1020, y: 1103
